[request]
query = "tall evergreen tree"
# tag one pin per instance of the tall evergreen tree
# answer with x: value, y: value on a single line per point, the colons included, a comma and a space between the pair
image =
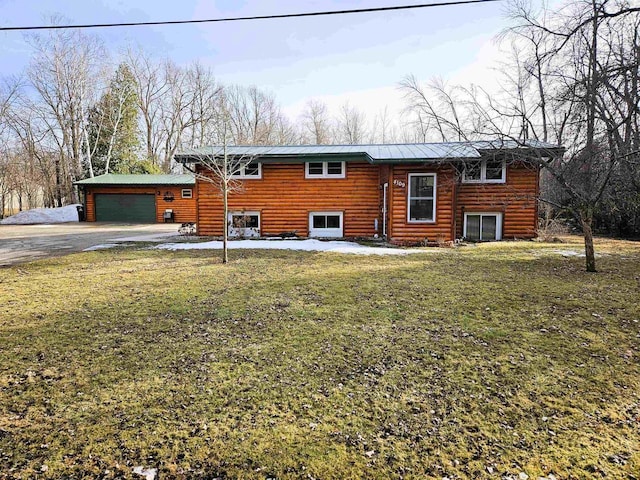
x: 113, y: 137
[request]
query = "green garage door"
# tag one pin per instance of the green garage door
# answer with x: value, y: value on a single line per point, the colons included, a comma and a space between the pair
x: 129, y: 208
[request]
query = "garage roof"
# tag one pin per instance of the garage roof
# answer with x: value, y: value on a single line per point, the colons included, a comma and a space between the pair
x: 143, y: 179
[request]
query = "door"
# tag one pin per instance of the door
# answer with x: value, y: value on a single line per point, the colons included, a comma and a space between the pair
x: 244, y: 224
x: 127, y: 208
x: 326, y: 225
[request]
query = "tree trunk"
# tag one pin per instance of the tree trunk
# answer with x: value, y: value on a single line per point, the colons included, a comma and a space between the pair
x: 225, y: 193
x: 225, y: 229
x: 58, y: 191
x: 590, y: 256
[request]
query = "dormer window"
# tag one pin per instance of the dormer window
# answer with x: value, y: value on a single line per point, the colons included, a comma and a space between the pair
x: 493, y: 170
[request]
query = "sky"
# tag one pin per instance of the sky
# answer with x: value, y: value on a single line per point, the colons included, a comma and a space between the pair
x: 359, y: 58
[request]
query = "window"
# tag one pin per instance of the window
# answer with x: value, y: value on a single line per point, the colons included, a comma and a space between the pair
x: 492, y: 170
x: 324, y: 170
x: 187, y: 193
x: 421, y: 201
x: 315, y: 169
x: 251, y: 170
x: 244, y: 224
x: 473, y: 172
x: 325, y: 224
x: 482, y: 227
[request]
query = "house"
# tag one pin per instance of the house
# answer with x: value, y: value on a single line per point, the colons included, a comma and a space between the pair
x: 406, y: 193
x: 139, y: 198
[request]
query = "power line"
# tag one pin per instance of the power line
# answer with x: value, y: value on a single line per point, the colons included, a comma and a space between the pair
x: 257, y: 17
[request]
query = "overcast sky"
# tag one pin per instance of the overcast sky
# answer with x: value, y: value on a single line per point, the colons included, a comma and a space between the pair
x: 360, y: 57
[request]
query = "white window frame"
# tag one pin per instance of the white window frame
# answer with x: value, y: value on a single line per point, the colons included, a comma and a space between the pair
x: 233, y: 213
x: 483, y: 173
x: 188, y: 195
x: 409, y: 197
x: 243, y: 176
x: 329, y: 232
x: 498, y: 216
x: 325, y: 170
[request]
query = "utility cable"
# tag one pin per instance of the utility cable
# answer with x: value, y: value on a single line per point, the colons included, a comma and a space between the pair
x: 255, y: 17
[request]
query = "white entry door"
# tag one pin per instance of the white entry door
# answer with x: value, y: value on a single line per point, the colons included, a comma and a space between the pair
x: 326, y: 224
x: 244, y: 224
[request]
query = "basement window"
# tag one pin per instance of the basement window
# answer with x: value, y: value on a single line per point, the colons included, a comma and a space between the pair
x: 326, y: 224
x: 482, y: 227
x: 243, y: 224
x: 324, y: 170
x: 492, y: 170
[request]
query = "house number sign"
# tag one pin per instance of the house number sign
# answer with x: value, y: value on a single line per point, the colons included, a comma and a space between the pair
x: 399, y: 183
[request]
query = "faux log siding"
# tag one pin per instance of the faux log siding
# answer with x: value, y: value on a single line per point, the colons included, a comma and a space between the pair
x: 385, y: 172
x: 516, y: 199
x: 401, y: 230
x: 284, y: 198
x: 184, y: 209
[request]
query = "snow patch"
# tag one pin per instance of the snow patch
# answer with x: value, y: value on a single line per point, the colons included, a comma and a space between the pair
x: 151, y: 237
x: 572, y: 253
x: 100, y: 247
x: 569, y: 253
x: 147, y: 473
x: 44, y: 215
x: 310, y: 245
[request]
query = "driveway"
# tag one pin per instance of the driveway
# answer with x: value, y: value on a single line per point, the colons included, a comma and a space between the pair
x: 25, y: 243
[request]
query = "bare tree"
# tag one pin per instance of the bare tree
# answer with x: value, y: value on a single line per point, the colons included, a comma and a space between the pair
x: 63, y: 73
x: 590, y: 75
x: 152, y: 86
x: 567, y: 85
x: 316, y: 123
x: 221, y: 169
x: 29, y: 135
x: 352, y: 127
x: 255, y: 117
x: 6, y: 96
x: 383, y: 129
x: 22, y: 180
x: 434, y: 106
x: 206, y: 93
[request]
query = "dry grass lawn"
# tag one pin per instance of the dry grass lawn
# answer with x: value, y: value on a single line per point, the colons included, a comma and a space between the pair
x: 478, y: 362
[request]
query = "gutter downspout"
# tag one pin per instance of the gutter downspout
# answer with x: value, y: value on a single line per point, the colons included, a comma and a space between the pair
x: 384, y: 209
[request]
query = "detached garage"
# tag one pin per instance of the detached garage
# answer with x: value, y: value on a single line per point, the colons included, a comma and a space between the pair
x: 139, y: 198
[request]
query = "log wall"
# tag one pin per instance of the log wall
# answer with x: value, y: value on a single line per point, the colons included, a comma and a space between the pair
x: 284, y: 198
x: 184, y: 209
x: 516, y: 199
x: 400, y: 229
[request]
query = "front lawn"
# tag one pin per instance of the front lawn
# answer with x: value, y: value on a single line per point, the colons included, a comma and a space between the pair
x: 488, y: 361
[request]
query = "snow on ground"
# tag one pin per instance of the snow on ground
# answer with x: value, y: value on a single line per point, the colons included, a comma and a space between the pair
x: 150, y: 237
x: 101, y: 247
x: 43, y: 215
x: 309, y: 245
x: 568, y: 253
x: 572, y: 253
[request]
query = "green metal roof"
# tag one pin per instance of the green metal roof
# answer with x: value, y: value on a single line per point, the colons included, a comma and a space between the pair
x: 373, y: 153
x: 143, y: 179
